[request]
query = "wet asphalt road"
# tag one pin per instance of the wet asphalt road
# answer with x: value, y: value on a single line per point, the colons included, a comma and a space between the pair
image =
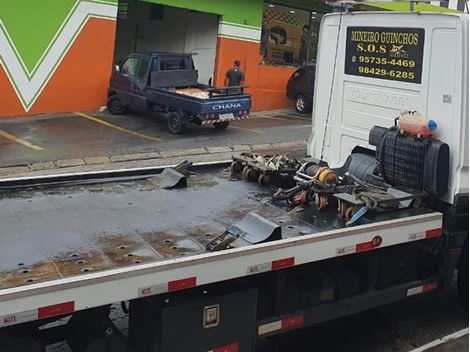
x: 398, y: 327
x: 70, y: 136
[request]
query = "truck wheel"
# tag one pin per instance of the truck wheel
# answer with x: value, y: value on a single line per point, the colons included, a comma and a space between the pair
x: 175, y: 122
x: 301, y: 104
x: 115, y: 106
x: 462, y: 276
x: 221, y: 125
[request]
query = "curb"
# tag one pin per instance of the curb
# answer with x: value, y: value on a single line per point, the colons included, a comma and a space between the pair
x: 123, y: 158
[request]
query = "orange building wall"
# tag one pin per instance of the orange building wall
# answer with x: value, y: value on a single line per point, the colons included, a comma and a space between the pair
x: 267, y: 83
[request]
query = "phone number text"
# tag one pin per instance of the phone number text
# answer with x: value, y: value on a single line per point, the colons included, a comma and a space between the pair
x: 385, y: 61
x: 381, y: 72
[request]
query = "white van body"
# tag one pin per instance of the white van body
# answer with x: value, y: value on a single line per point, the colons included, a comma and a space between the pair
x: 358, y: 103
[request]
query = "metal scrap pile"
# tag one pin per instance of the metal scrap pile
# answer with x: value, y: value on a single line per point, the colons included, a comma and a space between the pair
x: 274, y: 169
x: 319, y: 185
x: 193, y: 92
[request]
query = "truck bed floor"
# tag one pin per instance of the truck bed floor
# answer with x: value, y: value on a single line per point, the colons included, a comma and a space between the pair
x: 56, y: 232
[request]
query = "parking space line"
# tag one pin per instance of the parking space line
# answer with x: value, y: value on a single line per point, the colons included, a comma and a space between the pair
x: 20, y: 141
x: 119, y: 128
x: 283, y: 119
x: 305, y: 117
x: 248, y: 129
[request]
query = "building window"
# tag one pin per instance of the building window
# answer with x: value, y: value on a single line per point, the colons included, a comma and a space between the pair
x: 288, y: 36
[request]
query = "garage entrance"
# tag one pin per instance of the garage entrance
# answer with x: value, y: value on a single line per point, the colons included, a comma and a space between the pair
x: 143, y: 26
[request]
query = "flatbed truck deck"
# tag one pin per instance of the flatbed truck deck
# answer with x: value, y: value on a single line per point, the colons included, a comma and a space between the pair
x: 105, y: 231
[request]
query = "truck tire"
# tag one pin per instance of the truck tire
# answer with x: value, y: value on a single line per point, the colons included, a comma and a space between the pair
x: 462, y: 276
x: 301, y: 104
x: 175, y: 122
x: 221, y: 125
x: 115, y: 106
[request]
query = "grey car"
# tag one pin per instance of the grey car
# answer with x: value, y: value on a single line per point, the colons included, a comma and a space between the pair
x: 300, y: 88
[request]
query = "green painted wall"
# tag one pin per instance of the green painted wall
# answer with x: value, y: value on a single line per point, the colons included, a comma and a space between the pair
x: 311, y: 5
x: 247, y: 12
x: 405, y: 6
x: 32, y: 24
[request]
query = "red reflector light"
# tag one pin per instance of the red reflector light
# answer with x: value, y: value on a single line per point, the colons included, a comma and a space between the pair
x: 234, y: 347
x: 56, y: 309
x: 182, y: 284
x: 292, y: 321
x: 363, y: 247
x: 282, y: 263
x: 430, y: 287
x: 433, y: 233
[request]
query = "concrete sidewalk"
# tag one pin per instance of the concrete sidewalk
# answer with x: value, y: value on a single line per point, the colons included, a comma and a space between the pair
x: 457, y: 345
x: 99, y: 140
x: 130, y: 161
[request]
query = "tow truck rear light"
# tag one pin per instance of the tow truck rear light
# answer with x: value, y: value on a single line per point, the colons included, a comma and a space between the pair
x: 434, y: 233
x: 56, y: 310
x: 421, y: 289
x: 234, y: 347
x: 274, y: 265
x: 39, y: 313
x: 287, y: 323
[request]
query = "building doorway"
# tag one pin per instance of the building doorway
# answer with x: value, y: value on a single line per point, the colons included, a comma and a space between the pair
x: 145, y: 26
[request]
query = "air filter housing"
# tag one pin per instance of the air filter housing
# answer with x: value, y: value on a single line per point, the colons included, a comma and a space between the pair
x: 417, y: 163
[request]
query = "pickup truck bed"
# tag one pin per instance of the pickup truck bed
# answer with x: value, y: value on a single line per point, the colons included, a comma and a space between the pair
x: 215, y: 104
x: 133, y: 237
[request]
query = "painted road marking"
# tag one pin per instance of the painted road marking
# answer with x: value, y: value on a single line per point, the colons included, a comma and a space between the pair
x: 248, y: 129
x: 20, y: 141
x: 297, y: 120
x: 119, y: 128
x: 442, y: 340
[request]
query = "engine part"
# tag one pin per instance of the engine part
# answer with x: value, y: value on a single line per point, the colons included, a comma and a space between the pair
x: 417, y: 163
x: 362, y: 168
x: 415, y: 124
x: 376, y: 135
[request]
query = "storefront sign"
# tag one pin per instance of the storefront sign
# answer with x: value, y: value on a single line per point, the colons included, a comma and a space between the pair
x: 387, y: 53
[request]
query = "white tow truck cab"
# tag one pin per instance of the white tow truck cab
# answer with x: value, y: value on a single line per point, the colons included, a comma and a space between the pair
x: 121, y: 236
x: 361, y: 81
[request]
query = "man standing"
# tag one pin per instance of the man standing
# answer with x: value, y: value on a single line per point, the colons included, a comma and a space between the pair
x: 234, y: 76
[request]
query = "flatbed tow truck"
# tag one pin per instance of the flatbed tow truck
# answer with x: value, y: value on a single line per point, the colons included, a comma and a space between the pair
x: 74, y: 244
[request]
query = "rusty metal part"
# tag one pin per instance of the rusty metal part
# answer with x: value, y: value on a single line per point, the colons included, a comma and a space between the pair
x: 321, y: 201
x: 236, y: 167
x: 172, y: 243
x: 348, y: 213
x: 223, y: 240
x: 263, y: 179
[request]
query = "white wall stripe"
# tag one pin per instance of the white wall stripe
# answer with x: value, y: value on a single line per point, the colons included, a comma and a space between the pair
x: 29, y: 88
x: 238, y: 32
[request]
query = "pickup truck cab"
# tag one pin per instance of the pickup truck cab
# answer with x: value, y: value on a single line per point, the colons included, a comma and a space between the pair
x: 167, y: 82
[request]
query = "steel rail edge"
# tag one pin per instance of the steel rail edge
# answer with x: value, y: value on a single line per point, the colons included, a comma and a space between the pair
x: 108, y: 175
